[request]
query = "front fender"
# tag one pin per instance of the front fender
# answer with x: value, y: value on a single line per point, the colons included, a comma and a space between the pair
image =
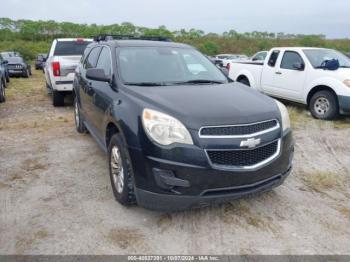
x: 336, y: 85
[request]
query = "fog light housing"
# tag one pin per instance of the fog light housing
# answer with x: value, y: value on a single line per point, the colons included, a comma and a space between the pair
x: 166, y: 179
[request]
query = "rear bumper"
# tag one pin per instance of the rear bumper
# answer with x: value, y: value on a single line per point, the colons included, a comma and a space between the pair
x: 63, y: 85
x: 344, y: 105
x: 172, y: 203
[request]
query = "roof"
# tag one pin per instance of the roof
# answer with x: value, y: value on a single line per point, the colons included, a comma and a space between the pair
x: 144, y: 43
x: 73, y: 39
x: 298, y: 48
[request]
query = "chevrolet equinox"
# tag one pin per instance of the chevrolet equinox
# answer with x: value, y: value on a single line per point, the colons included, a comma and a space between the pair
x: 178, y: 132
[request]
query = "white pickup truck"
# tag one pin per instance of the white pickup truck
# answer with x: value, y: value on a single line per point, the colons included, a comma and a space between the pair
x: 316, y: 77
x: 63, y: 58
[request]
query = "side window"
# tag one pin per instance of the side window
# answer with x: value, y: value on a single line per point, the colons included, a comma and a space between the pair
x: 273, y: 58
x: 91, y: 60
x: 105, y: 61
x: 289, y: 59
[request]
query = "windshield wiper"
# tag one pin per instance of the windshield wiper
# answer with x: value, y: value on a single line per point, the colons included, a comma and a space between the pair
x: 199, y: 81
x: 145, y: 84
x: 344, y: 66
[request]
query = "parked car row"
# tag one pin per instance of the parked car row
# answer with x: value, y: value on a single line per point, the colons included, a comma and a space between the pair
x: 170, y: 121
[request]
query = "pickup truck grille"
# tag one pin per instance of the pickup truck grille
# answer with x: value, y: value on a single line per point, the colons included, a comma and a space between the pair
x: 238, y: 130
x: 244, y: 158
x: 14, y: 66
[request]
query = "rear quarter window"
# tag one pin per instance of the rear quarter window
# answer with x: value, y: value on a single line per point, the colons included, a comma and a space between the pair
x: 70, y: 48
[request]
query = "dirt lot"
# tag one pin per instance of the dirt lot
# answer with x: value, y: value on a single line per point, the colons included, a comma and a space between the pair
x: 56, y: 197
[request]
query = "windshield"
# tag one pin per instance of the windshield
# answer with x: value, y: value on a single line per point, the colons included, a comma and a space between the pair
x: 15, y: 60
x: 70, y: 48
x: 166, y: 66
x: 317, y: 57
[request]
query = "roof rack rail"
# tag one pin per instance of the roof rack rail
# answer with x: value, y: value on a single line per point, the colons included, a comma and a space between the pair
x: 106, y: 37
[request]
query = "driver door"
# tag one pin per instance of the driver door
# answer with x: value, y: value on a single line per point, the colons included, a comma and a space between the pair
x: 290, y: 77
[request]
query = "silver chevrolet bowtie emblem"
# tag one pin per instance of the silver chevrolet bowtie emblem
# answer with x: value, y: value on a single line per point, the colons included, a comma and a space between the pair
x: 251, y: 143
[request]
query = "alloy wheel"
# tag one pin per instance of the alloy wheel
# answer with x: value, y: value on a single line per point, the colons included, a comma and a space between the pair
x: 117, y: 169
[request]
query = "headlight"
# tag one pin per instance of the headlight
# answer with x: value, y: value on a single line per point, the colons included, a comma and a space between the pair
x: 164, y: 129
x: 285, y: 115
x: 347, y: 82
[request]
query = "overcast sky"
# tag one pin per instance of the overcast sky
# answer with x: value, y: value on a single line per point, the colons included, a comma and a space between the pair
x: 331, y: 18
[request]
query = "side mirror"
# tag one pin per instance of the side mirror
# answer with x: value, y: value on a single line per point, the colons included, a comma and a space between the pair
x: 255, y: 59
x: 97, y: 74
x: 299, y: 66
x: 224, y: 71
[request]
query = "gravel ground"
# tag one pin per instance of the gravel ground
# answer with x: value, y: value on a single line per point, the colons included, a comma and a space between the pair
x: 55, y: 194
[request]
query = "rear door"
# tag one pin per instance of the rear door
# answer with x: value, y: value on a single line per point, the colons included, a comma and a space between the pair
x: 268, y: 76
x: 86, y: 84
x: 101, y: 91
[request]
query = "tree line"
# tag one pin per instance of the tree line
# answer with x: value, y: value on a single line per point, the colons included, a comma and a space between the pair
x: 29, y: 37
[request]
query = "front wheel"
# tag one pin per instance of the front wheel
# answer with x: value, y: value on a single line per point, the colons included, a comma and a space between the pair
x: 120, y: 171
x: 324, y: 105
x: 26, y: 73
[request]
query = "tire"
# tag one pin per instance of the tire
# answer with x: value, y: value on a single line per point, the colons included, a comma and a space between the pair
x: 7, y: 78
x: 49, y: 89
x: 2, y: 92
x: 26, y: 73
x: 79, y: 123
x: 244, y: 81
x: 324, y: 105
x: 117, y: 153
x: 57, y: 98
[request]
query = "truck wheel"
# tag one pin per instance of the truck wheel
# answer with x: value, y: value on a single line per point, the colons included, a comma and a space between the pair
x: 120, y: 171
x: 324, y: 105
x: 2, y: 92
x: 79, y: 123
x: 7, y: 78
x: 244, y: 81
x: 26, y: 73
x: 57, y: 98
x: 48, y: 89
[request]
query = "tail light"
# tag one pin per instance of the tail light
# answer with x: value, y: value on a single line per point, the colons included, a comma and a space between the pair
x: 56, y: 68
x: 228, y: 66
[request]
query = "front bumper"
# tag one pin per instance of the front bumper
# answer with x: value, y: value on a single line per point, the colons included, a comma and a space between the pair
x: 344, y: 105
x: 16, y: 72
x: 166, y: 202
x: 202, y: 183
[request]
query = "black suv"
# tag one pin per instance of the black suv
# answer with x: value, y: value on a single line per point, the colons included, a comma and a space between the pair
x: 178, y: 132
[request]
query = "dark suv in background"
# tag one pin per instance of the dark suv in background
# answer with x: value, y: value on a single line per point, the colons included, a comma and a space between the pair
x: 40, y: 61
x: 178, y: 132
x: 4, y: 68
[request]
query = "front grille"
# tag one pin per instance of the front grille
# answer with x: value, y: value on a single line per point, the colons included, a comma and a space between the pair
x: 15, y: 66
x: 238, y: 130
x: 244, y: 157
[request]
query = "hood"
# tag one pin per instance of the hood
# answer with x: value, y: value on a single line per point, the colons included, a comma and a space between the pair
x: 209, y: 105
x: 341, y: 73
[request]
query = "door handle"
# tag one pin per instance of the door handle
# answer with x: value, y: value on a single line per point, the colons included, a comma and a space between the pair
x: 278, y: 73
